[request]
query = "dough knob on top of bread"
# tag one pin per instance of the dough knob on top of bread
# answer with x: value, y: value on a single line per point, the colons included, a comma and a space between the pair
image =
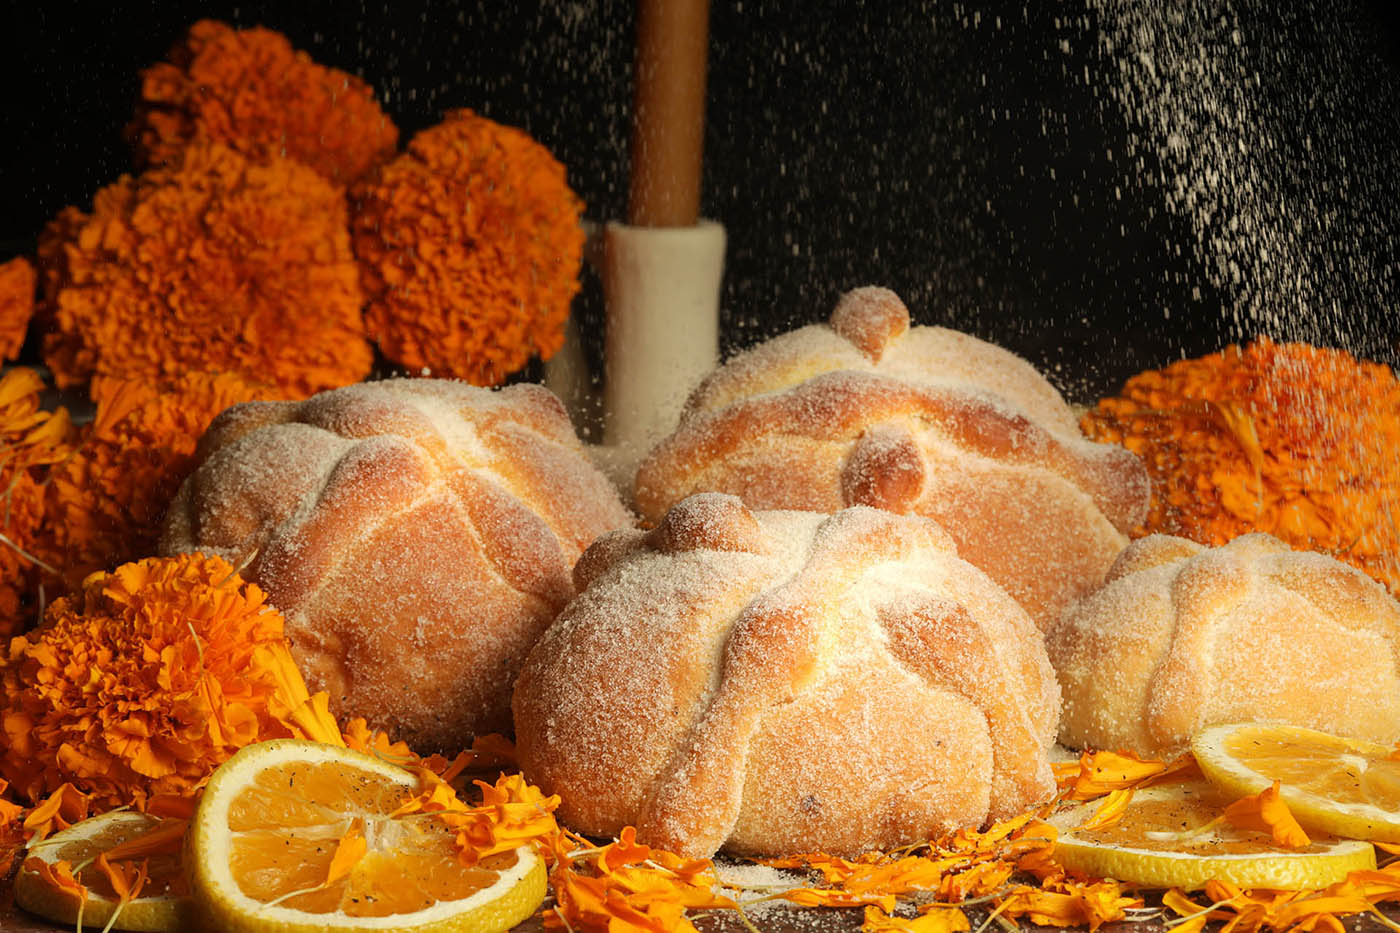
x: 1182, y: 636
x: 778, y: 681
x: 870, y: 411
x: 416, y: 534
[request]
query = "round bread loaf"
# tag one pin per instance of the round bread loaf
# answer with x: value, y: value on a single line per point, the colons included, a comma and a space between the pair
x: 867, y: 411
x: 417, y: 535
x: 1182, y: 636
x: 778, y: 682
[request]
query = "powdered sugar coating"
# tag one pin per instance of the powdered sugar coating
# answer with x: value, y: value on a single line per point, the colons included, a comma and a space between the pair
x: 783, y: 681
x: 925, y: 420
x: 417, y: 535
x: 1182, y: 636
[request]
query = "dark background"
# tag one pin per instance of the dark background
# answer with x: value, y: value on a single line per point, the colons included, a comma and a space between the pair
x: 963, y: 154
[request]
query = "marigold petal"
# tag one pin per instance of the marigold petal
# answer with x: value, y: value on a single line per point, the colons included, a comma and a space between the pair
x: 1266, y: 812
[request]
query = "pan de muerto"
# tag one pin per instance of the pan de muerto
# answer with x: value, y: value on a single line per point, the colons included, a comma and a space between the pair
x: 778, y: 682
x: 417, y: 535
x: 1183, y: 636
x: 923, y: 420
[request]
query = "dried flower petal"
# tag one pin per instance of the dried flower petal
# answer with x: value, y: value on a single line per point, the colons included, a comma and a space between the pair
x: 1265, y: 812
x: 56, y: 812
x: 126, y: 880
x: 349, y: 849
x: 1074, y: 904
x: 1111, y: 810
x: 1098, y: 773
x: 58, y: 877
x: 933, y: 919
x: 165, y: 838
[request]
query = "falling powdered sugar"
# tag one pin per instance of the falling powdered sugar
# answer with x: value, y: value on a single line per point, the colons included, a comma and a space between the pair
x: 1272, y: 128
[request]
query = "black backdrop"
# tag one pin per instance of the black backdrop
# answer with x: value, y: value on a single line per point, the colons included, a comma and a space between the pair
x: 959, y: 153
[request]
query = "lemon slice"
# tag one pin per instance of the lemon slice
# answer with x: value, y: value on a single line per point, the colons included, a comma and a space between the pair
x: 260, y: 849
x: 161, y: 906
x: 1163, y: 840
x: 1347, y: 787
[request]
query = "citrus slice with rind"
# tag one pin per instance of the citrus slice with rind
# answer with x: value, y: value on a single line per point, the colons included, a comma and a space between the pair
x: 1170, y: 836
x: 273, y: 817
x: 1347, y: 787
x: 160, y: 907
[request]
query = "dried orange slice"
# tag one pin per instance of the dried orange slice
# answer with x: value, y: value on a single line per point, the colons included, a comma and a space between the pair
x: 1169, y: 836
x: 267, y: 851
x: 1343, y: 786
x: 162, y: 901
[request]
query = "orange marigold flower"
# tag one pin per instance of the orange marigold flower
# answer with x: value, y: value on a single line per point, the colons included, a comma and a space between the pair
x: 77, y: 501
x: 17, y: 281
x: 11, y: 831
x: 32, y: 442
x: 104, y: 504
x: 143, y: 682
x: 213, y: 264
x: 1289, y: 439
x: 469, y: 246
x: 250, y: 90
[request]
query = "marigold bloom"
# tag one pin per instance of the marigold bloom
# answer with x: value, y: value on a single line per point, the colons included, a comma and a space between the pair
x: 250, y: 90
x: 11, y: 831
x: 469, y: 246
x: 143, y: 682
x: 17, y: 280
x: 212, y: 264
x: 104, y: 504
x: 1290, y: 439
x: 32, y: 442
x: 81, y: 500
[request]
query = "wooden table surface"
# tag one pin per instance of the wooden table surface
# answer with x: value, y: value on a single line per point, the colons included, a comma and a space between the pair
x: 776, y: 919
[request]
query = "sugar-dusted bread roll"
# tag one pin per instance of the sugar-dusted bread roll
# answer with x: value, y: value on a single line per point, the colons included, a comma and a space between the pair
x: 1183, y: 636
x: 417, y: 534
x: 779, y: 682
x: 924, y: 420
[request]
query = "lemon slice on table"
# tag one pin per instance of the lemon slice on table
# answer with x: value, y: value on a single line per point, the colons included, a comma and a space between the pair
x: 160, y: 907
x: 1169, y: 836
x: 1347, y: 787
x: 260, y: 849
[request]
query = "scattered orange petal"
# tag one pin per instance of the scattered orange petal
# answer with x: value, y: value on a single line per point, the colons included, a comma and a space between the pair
x: 349, y: 849
x: 1266, y: 812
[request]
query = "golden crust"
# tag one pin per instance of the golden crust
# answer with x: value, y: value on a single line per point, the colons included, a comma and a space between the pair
x: 417, y: 535
x: 926, y: 420
x: 1182, y: 636
x: 775, y: 682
